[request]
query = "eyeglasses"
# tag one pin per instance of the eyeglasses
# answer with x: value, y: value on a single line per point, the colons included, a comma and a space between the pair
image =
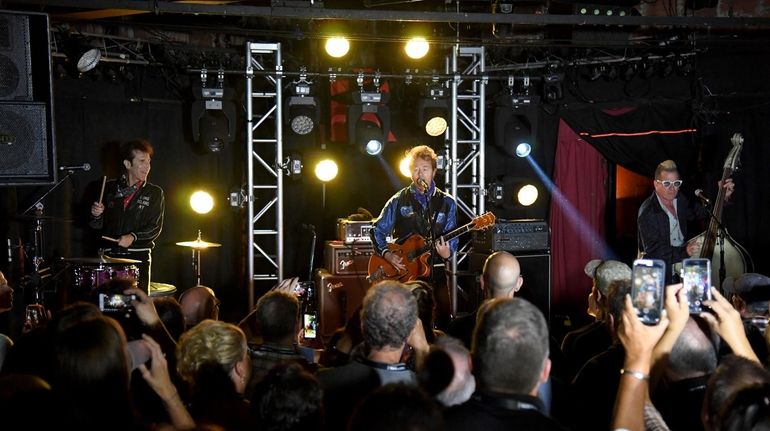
x: 667, y: 184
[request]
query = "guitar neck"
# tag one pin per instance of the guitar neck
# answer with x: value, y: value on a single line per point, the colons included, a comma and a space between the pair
x: 447, y: 237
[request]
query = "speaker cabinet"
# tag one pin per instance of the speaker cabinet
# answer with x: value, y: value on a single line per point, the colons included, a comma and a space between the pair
x: 15, y: 61
x: 338, y: 298
x: 27, y: 146
x: 536, y: 271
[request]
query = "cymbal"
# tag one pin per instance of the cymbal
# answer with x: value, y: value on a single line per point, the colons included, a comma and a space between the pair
x: 105, y: 260
x: 28, y: 217
x: 198, y: 244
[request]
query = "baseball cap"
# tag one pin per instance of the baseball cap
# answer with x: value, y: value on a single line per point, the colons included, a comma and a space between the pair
x: 751, y: 287
x: 607, y: 271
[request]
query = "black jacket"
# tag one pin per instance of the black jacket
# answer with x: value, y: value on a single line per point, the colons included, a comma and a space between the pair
x: 143, y: 217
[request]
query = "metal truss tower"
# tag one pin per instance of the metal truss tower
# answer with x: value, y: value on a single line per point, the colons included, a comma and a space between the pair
x: 264, y: 164
x: 465, y: 148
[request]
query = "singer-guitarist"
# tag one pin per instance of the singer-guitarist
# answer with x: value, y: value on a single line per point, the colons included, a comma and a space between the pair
x: 420, y: 209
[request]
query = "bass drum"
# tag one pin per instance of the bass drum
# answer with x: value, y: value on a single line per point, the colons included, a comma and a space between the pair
x: 737, y: 259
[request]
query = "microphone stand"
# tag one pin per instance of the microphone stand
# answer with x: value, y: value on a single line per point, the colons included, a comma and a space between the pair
x: 432, y: 236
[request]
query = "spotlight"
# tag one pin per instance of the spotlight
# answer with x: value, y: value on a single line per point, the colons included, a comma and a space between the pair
x: 89, y: 60
x: 326, y: 170
x: 516, y: 119
x: 417, y: 47
x: 213, y: 116
x: 302, y: 113
x: 201, y: 202
x: 552, y: 86
x: 523, y: 149
x: 433, y: 110
x: 629, y: 71
x: 292, y: 166
x: 369, y: 121
x: 337, y: 46
x: 526, y: 195
x: 403, y: 167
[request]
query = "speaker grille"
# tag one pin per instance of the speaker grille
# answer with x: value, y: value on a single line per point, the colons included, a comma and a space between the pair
x: 23, y: 141
x: 15, y: 60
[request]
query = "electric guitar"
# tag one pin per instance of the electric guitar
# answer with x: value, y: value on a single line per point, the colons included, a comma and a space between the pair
x: 415, y: 252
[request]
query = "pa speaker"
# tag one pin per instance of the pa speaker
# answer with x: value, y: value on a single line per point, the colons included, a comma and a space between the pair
x: 536, y: 272
x: 23, y: 147
x: 15, y: 59
x: 27, y: 148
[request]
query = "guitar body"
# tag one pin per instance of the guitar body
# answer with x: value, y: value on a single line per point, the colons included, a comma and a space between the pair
x: 416, y: 265
x: 415, y: 253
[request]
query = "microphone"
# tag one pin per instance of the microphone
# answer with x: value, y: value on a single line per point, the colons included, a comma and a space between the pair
x: 699, y: 193
x: 83, y: 167
x: 423, y: 184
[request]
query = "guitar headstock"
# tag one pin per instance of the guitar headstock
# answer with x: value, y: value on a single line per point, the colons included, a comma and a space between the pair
x: 734, y: 158
x: 483, y: 221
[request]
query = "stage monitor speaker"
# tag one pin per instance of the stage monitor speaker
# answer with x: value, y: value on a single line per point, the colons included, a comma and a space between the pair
x: 536, y: 271
x: 27, y: 148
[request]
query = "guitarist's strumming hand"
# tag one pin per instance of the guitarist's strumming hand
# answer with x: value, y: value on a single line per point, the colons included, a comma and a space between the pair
x: 394, y: 260
x: 442, y: 248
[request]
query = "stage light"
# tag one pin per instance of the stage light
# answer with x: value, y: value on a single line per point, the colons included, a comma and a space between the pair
x: 417, y: 47
x: 337, y: 46
x: 201, y: 202
x: 403, y: 167
x: 527, y: 195
x: 433, y: 111
x: 326, y: 170
x: 301, y: 110
x: 369, y: 121
x: 89, y: 60
x: 213, y: 115
x: 523, y: 149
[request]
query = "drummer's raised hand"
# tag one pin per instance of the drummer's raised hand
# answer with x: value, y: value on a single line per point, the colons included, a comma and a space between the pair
x: 97, y: 209
x: 144, y: 307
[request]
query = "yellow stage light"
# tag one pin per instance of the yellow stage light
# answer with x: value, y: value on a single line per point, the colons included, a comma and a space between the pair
x: 403, y: 167
x: 337, y: 46
x: 417, y: 47
x: 326, y: 170
x: 527, y: 195
x: 201, y: 202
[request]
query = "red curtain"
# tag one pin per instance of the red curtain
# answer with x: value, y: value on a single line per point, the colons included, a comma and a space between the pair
x: 580, y: 174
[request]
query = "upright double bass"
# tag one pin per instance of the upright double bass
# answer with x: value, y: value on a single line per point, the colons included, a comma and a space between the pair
x: 716, y: 243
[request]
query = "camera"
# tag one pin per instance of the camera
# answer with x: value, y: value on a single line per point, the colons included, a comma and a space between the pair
x: 301, y: 288
x: 116, y: 302
x: 648, y: 280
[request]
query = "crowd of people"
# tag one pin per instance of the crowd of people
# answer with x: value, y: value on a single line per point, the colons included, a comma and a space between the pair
x: 172, y: 364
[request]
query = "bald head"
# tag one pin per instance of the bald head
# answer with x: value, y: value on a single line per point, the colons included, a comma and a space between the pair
x: 501, y: 276
x: 198, y: 304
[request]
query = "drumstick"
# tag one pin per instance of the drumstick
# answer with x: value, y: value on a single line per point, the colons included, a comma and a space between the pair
x: 101, y: 195
x: 110, y: 238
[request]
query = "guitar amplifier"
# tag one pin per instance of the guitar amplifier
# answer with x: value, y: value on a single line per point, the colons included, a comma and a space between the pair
x: 338, y: 298
x: 514, y: 236
x: 344, y: 259
x: 354, y: 232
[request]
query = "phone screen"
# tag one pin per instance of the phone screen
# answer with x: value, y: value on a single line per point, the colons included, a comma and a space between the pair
x: 115, y: 302
x: 310, y: 325
x: 696, y: 278
x: 647, y: 290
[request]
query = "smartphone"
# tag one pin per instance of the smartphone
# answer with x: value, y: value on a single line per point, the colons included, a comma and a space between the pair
x: 301, y: 287
x: 310, y: 325
x: 649, y: 277
x: 115, y: 302
x: 696, y: 277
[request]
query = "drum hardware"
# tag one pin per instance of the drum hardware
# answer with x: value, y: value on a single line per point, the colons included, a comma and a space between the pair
x: 196, y: 246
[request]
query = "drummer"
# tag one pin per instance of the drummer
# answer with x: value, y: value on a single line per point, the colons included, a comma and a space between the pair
x: 130, y: 215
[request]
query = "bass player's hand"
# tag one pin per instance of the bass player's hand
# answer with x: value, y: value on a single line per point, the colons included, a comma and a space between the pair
x: 394, y: 260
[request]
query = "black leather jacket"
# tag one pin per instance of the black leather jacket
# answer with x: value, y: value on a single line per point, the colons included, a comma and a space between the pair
x: 143, y: 218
